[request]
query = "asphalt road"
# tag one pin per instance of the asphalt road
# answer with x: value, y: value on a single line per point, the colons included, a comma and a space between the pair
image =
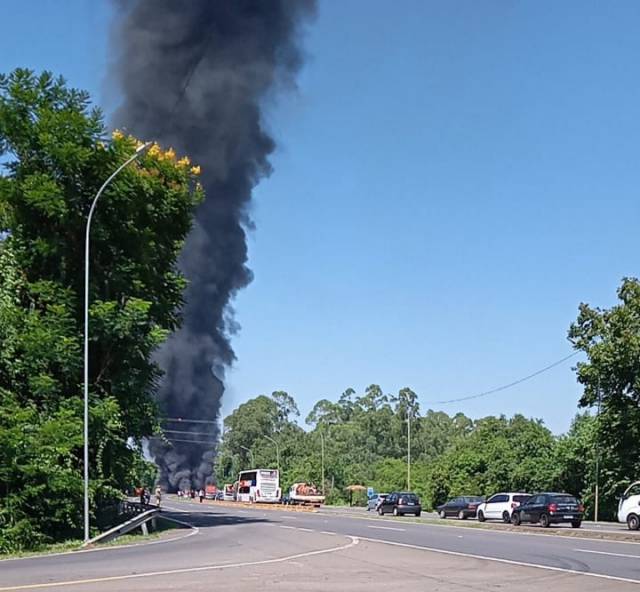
x: 258, y: 548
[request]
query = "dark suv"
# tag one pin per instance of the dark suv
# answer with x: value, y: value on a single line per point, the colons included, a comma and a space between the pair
x: 400, y: 503
x: 549, y: 508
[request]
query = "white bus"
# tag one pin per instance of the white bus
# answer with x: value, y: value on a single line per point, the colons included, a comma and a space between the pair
x: 259, y: 486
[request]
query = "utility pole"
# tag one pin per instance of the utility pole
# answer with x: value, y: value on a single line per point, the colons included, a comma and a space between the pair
x: 322, y: 457
x: 408, y: 450
x: 597, y: 497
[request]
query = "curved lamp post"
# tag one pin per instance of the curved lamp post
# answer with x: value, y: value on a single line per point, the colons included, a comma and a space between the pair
x: 253, y: 462
x: 277, y: 451
x: 137, y: 153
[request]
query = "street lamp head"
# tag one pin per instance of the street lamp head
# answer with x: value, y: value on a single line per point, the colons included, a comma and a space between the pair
x: 143, y: 147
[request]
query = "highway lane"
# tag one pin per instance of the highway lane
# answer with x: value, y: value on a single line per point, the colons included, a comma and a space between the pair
x: 220, y: 538
x: 608, y: 558
x: 245, y: 546
x: 433, y: 516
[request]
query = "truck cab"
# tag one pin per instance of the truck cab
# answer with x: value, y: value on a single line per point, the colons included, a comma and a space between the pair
x: 629, y: 506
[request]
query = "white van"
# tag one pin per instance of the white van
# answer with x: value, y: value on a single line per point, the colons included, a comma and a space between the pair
x: 629, y: 506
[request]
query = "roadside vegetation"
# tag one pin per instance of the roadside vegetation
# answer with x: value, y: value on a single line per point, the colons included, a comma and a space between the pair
x: 55, y: 153
x: 365, y: 434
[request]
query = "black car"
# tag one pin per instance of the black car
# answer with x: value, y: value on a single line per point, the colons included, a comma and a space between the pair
x: 549, y: 508
x: 462, y: 507
x: 400, y: 503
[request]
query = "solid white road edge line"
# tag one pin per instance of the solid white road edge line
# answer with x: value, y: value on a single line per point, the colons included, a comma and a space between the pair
x: 499, y: 560
x: 388, y: 528
x: 352, y: 543
x: 607, y: 553
x: 194, y: 530
x: 471, y: 528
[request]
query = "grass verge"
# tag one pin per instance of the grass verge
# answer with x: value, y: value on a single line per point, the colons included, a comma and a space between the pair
x: 75, y: 544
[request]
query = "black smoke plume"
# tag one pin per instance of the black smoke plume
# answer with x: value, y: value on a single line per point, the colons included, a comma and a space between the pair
x: 194, y: 75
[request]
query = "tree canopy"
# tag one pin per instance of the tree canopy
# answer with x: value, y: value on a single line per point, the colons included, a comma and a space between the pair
x: 56, y: 153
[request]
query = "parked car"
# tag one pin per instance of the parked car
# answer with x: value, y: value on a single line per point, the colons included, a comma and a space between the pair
x: 400, y: 503
x: 219, y: 495
x: 500, y: 506
x: 463, y: 507
x: 375, y: 500
x: 549, y: 508
x: 629, y: 506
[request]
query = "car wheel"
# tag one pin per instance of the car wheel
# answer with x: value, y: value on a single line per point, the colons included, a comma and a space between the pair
x: 442, y: 514
x: 368, y: 508
x: 576, y: 523
x: 481, y: 517
x: 544, y: 521
x: 418, y: 514
x: 506, y: 518
x: 461, y: 515
x: 633, y: 522
x: 380, y: 511
x: 395, y: 512
x: 516, y: 519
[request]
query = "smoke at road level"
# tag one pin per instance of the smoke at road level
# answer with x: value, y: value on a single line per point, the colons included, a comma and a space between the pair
x: 193, y: 76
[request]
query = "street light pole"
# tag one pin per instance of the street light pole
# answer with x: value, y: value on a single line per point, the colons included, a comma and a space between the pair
x: 408, y: 451
x: 597, y: 497
x: 322, y: 459
x: 137, y: 153
x: 277, y: 452
x: 253, y: 462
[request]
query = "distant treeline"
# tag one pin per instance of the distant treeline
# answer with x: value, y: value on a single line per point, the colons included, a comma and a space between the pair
x: 365, y: 442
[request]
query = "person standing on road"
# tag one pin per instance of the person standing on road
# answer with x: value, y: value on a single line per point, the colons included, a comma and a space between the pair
x: 158, y: 496
x: 201, y: 494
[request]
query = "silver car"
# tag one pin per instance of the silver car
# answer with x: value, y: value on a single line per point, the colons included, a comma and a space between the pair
x: 375, y: 500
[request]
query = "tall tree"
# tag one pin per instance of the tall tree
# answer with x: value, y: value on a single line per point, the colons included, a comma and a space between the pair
x: 55, y: 157
x: 610, y: 338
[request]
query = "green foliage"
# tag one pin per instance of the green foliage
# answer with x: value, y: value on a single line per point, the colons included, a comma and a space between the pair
x: 611, y: 340
x: 366, y: 443
x: 55, y: 160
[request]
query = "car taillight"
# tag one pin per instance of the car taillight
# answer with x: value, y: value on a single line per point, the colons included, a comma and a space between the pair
x: 553, y: 507
x: 473, y: 506
x: 580, y: 508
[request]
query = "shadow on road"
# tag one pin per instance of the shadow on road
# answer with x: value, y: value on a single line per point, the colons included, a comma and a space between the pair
x: 207, y: 519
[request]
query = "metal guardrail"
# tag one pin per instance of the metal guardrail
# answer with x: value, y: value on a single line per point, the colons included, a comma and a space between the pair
x: 143, y: 514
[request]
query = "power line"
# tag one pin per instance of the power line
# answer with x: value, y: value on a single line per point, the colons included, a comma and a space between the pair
x: 188, y: 433
x: 504, y: 387
x: 182, y: 419
x: 212, y: 442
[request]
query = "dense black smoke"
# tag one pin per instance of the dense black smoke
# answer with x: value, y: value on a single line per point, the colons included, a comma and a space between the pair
x: 194, y: 75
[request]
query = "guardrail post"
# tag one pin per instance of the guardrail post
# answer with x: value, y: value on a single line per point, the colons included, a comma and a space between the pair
x: 145, y: 530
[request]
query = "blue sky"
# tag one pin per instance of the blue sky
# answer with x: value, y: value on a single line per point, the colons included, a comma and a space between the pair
x: 452, y: 180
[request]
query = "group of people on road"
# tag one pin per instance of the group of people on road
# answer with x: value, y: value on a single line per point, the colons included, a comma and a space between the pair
x: 145, y: 495
x: 192, y: 493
